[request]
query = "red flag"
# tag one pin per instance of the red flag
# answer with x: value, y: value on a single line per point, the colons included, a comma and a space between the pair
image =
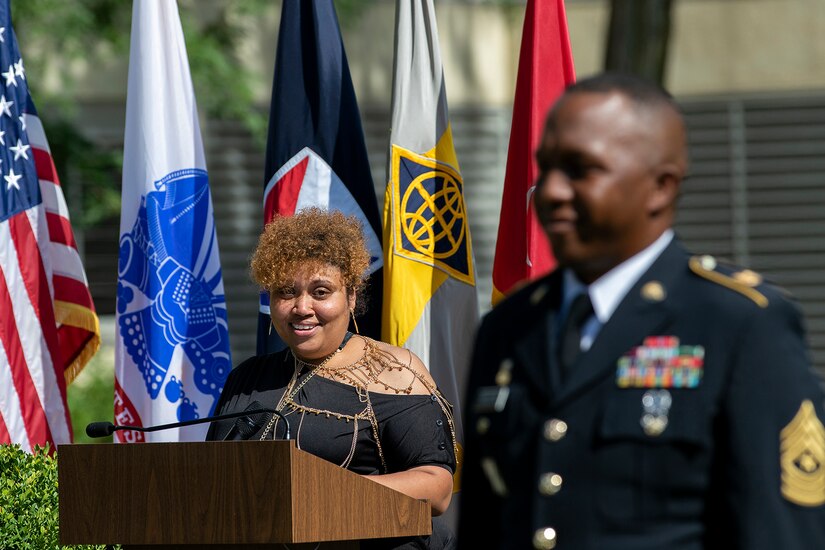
x: 48, y: 325
x: 545, y: 68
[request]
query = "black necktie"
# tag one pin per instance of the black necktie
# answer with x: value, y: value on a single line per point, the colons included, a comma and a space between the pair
x: 571, y: 333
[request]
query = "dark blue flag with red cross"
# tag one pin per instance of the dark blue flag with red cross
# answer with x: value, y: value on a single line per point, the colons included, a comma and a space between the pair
x: 315, y: 154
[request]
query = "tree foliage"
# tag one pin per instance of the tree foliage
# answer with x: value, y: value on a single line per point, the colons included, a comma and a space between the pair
x: 60, y: 39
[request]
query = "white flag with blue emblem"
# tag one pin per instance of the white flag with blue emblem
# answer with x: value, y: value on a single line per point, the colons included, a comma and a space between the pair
x: 172, y: 343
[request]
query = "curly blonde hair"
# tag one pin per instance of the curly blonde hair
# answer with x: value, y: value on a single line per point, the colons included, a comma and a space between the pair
x: 312, y: 238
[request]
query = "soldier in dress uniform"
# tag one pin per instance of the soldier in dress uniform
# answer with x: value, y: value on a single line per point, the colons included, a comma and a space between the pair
x: 638, y: 397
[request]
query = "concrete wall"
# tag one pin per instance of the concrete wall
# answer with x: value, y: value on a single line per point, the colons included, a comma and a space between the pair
x: 742, y: 46
x: 717, y: 47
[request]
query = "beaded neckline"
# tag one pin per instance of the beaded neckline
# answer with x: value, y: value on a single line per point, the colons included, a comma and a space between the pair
x: 364, y: 372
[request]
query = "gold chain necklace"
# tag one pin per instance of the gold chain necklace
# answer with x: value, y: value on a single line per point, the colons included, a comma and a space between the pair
x: 299, y: 366
x: 359, y: 374
x: 279, y: 407
x: 368, y: 370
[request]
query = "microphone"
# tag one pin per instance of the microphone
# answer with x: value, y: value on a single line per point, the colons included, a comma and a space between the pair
x: 103, y: 429
x: 246, y: 427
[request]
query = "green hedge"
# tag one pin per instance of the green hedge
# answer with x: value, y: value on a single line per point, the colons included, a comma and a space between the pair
x: 28, y: 500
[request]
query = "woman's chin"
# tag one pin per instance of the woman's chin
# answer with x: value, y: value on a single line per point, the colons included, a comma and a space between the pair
x: 311, y: 351
x: 315, y: 343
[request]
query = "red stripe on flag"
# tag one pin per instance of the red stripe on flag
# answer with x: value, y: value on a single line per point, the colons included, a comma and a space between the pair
x: 60, y: 230
x: 44, y: 164
x: 5, y: 436
x: 37, y: 285
x: 67, y: 289
x: 283, y: 197
x: 34, y: 417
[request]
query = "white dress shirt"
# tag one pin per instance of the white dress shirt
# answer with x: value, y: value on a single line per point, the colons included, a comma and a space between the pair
x: 607, y: 292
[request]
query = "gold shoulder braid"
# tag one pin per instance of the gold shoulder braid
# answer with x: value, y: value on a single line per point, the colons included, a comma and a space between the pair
x: 360, y: 374
x: 742, y: 282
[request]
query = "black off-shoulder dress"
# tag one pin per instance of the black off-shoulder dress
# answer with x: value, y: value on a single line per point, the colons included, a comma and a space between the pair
x: 403, y: 431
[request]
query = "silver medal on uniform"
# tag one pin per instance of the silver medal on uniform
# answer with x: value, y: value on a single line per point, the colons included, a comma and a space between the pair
x: 656, y: 405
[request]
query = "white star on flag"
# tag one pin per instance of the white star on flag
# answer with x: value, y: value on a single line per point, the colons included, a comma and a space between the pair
x: 11, y: 180
x: 2, y: 32
x: 22, y: 120
x: 2, y: 139
x: 4, y: 105
x: 20, y: 150
x: 19, y: 70
x: 10, y: 78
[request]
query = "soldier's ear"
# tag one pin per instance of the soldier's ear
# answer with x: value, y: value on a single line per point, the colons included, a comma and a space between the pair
x: 667, y: 182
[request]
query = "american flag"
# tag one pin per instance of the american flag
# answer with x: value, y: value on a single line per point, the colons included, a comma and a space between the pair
x: 48, y: 325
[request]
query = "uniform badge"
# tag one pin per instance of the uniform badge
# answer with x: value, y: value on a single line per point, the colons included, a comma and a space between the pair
x: 538, y: 294
x: 505, y: 373
x: 656, y: 406
x: 661, y: 362
x: 653, y: 291
x: 802, y: 458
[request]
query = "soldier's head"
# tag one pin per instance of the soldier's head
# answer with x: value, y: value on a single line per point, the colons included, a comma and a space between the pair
x: 611, y: 161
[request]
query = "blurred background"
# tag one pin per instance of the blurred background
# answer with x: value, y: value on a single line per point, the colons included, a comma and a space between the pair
x: 750, y: 75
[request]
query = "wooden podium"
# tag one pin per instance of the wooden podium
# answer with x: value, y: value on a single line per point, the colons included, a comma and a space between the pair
x: 238, y: 494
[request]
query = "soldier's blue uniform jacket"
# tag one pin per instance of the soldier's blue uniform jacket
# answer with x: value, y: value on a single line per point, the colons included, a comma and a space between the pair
x: 694, y: 421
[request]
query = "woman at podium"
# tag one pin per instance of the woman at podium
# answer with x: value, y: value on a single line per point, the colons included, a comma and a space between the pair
x: 365, y: 405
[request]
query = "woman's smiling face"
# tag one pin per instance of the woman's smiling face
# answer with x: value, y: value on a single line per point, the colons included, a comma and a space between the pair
x: 311, y: 313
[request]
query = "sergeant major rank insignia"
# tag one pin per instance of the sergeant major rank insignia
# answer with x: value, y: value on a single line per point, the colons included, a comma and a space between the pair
x: 432, y: 221
x: 802, y: 458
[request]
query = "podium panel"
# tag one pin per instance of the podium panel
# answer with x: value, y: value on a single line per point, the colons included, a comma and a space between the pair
x: 223, y: 493
x: 340, y: 545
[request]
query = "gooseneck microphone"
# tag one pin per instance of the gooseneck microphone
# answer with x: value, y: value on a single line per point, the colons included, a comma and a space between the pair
x: 245, y: 426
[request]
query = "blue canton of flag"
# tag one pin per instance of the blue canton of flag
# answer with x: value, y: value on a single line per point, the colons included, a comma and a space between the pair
x: 16, y: 161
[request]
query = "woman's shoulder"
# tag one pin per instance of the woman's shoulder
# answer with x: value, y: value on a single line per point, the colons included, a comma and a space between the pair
x: 401, y: 369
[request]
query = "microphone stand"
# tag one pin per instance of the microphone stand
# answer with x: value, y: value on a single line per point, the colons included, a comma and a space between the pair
x: 103, y: 429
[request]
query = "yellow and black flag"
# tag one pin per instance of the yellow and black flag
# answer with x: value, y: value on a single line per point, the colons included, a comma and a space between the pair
x: 430, y: 299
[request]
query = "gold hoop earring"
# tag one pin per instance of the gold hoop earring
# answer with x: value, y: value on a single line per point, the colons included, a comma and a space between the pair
x: 354, y: 322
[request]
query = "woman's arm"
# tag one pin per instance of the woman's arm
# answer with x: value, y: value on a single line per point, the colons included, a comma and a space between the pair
x: 431, y: 482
